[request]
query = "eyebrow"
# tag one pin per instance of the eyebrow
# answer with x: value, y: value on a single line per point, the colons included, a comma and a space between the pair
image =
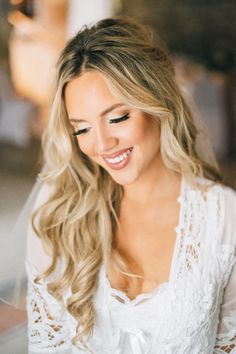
x: 107, y: 110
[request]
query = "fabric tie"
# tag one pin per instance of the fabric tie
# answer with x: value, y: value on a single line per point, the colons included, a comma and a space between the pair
x: 135, y: 340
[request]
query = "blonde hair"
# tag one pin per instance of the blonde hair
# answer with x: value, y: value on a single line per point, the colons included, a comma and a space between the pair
x: 80, y: 218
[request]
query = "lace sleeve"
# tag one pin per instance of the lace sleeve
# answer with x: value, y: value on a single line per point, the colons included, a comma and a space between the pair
x: 47, y: 330
x: 226, y: 335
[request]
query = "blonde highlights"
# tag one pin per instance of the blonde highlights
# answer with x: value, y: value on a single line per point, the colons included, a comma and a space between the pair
x: 79, y: 220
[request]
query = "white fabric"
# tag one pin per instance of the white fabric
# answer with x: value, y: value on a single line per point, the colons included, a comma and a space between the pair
x: 194, y: 312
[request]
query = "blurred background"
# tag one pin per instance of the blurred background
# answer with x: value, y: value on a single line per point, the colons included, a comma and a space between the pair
x: 201, y: 37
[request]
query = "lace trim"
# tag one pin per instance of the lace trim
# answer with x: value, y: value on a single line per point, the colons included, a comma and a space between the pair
x: 226, y: 342
x: 123, y: 298
x: 46, y: 318
x: 225, y: 345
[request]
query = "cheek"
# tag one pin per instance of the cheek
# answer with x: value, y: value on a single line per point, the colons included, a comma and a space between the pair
x: 135, y: 133
x: 149, y: 138
x: 146, y: 133
x: 85, y: 146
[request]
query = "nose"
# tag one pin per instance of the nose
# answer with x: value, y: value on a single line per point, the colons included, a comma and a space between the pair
x: 105, y: 141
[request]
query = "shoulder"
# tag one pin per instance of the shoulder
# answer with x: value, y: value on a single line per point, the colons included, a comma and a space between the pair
x: 220, y: 201
x: 43, y: 193
x: 220, y: 191
x: 224, y: 196
x: 228, y: 209
x: 36, y: 254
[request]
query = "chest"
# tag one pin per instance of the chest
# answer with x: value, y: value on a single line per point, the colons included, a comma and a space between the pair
x: 146, y: 242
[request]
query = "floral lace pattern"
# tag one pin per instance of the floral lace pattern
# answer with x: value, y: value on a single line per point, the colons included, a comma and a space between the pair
x: 194, y: 312
x: 226, y: 342
x: 47, y: 330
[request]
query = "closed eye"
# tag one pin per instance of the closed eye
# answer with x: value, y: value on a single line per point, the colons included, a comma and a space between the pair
x: 111, y: 121
x: 120, y: 119
x: 81, y: 131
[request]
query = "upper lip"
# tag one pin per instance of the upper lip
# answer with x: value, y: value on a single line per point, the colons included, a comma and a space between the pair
x: 115, y: 154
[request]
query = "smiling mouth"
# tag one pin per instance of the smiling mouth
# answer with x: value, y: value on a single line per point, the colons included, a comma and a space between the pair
x: 118, y: 159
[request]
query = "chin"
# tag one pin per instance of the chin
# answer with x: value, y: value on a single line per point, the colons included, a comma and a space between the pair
x: 122, y: 177
x: 123, y: 180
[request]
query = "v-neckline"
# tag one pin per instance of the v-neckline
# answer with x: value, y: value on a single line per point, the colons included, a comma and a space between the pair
x: 121, y: 294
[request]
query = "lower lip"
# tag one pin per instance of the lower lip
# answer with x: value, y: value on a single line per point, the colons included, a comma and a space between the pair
x: 121, y: 164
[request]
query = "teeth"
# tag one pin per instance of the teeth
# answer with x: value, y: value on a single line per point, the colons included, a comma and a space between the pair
x: 119, y: 158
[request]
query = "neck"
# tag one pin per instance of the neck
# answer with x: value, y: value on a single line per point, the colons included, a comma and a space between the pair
x: 158, y: 183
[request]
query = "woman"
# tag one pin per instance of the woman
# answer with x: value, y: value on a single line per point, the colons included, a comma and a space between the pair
x: 136, y: 236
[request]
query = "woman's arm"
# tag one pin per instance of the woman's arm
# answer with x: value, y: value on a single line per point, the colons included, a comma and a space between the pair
x: 226, y: 334
x: 47, y: 328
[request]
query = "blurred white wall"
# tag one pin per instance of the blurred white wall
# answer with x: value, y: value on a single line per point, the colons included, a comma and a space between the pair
x: 82, y: 12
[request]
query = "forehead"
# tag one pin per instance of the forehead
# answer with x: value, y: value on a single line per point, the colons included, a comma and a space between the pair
x: 87, y: 94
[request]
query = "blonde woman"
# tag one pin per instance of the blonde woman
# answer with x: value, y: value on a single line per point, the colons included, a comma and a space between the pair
x: 132, y: 248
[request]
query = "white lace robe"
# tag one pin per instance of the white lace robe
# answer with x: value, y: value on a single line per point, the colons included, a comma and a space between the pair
x: 193, y: 313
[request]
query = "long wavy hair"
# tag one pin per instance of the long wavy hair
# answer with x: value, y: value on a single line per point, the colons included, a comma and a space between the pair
x: 79, y: 220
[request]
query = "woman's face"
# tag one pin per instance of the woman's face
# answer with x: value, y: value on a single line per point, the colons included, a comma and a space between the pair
x: 123, y: 140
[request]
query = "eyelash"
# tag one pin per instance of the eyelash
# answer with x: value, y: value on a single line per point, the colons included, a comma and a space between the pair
x: 118, y: 120
x: 112, y: 121
x: 81, y: 131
